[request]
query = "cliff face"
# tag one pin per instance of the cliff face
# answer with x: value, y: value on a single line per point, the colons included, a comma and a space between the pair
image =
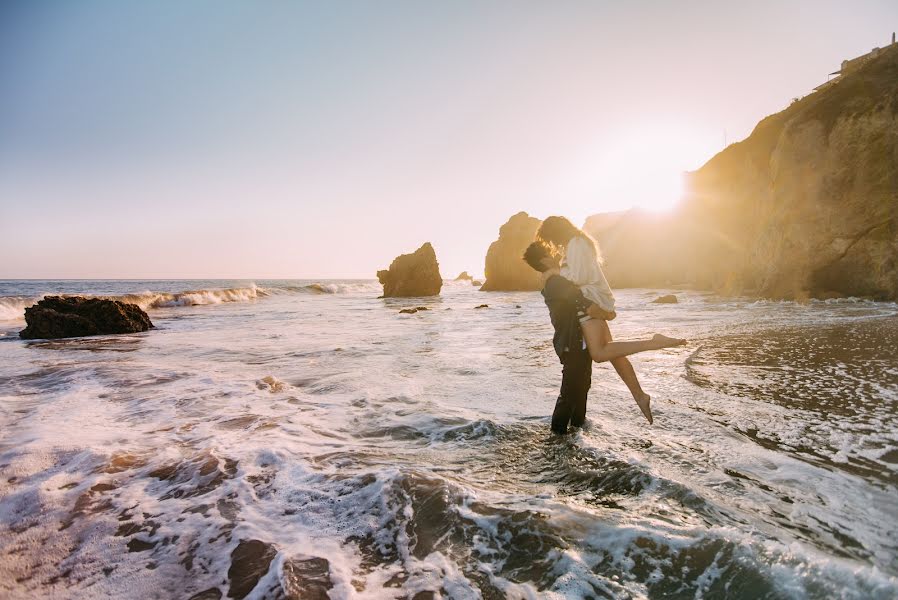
x: 807, y: 205
x: 505, y: 268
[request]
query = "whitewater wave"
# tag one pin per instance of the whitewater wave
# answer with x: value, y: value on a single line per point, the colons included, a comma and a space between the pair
x: 12, y: 308
x: 148, y: 300
x: 318, y: 288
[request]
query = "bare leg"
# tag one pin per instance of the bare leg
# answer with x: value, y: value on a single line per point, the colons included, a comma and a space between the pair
x: 597, y: 333
x: 610, y: 350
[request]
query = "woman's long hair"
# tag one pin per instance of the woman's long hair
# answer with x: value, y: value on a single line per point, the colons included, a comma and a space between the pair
x: 557, y: 232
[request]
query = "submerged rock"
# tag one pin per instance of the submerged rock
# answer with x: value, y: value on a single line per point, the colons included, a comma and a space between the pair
x: 307, y: 579
x: 668, y: 299
x: 75, y: 316
x: 250, y: 561
x: 482, y: 306
x: 505, y: 268
x: 416, y: 274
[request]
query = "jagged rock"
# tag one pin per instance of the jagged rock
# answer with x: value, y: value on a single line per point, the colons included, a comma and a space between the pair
x: 504, y: 267
x: 463, y: 276
x: 75, y: 316
x: 667, y: 299
x: 250, y: 561
x: 416, y: 274
x: 806, y: 205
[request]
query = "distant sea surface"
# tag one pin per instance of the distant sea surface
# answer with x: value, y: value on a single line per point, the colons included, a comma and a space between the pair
x: 299, y: 439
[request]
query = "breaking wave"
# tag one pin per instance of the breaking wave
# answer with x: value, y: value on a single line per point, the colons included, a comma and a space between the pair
x: 12, y: 308
x: 318, y: 288
x: 147, y: 300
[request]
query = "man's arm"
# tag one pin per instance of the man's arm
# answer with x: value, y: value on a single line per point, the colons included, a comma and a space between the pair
x: 558, y: 288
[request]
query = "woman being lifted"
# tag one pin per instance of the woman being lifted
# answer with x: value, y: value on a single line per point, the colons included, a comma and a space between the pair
x: 581, y: 265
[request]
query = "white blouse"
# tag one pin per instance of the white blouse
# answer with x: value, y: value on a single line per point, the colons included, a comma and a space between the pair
x: 581, y: 266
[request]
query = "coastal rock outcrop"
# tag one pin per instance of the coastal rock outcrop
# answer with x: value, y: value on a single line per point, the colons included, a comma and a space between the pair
x: 806, y: 206
x: 73, y: 316
x: 463, y: 276
x: 666, y: 299
x: 416, y: 274
x: 505, y: 270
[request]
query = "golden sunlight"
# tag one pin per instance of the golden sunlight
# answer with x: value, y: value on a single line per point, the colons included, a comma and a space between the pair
x: 642, y: 168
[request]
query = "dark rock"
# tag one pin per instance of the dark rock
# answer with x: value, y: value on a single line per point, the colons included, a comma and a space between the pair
x: 307, y: 579
x: 668, y: 299
x: 75, y: 316
x: 137, y: 545
x: 482, y: 306
x: 411, y: 311
x: 505, y: 268
x: 416, y: 274
x: 476, y: 282
x: 463, y: 276
x: 250, y: 561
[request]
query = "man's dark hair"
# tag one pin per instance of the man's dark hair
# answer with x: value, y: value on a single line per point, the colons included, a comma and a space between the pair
x: 534, y: 255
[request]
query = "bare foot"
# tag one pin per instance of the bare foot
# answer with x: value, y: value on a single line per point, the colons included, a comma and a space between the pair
x: 662, y: 341
x: 644, y: 404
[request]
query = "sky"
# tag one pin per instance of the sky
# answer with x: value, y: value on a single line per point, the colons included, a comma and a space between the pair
x: 225, y: 139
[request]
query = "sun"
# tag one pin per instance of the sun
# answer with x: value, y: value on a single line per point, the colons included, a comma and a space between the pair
x: 642, y: 167
x: 660, y: 190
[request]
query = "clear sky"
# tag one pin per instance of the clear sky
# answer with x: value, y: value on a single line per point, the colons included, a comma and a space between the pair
x: 321, y: 139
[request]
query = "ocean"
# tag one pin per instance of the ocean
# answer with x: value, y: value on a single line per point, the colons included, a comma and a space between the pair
x: 303, y: 439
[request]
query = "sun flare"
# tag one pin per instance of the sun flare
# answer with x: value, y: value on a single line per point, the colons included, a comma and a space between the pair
x: 642, y: 168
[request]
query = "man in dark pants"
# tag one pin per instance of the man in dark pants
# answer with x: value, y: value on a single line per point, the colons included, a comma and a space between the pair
x: 566, y: 306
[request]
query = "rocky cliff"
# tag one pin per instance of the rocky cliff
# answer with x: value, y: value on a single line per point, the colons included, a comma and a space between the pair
x: 807, y: 205
x: 505, y: 269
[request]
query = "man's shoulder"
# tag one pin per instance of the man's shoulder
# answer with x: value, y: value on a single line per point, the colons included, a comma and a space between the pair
x: 556, y: 283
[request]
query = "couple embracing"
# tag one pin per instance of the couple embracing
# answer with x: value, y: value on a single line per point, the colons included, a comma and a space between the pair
x: 580, y: 306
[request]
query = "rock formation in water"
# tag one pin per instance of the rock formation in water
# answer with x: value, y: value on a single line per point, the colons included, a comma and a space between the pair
x: 74, y: 316
x: 463, y: 276
x: 505, y: 269
x: 416, y: 274
x: 807, y: 205
x: 666, y: 299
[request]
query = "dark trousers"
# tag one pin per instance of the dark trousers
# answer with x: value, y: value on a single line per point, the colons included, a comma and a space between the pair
x: 576, y: 379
